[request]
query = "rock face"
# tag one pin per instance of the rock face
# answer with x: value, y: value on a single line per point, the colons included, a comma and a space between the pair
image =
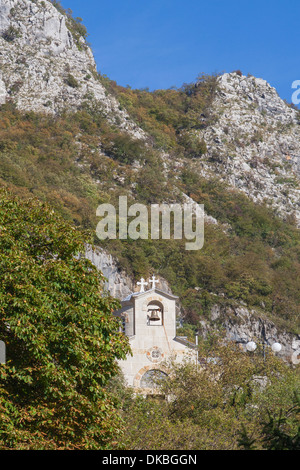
x: 118, y: 283
x: 3, y: 92
x: 254, y: 145
x: 47, y: 66
x: 243, y: 325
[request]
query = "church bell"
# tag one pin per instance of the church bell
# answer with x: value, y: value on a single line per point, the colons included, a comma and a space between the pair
x: 154, y: 315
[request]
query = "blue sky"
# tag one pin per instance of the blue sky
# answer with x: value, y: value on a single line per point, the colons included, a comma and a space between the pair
x: 161, y: 43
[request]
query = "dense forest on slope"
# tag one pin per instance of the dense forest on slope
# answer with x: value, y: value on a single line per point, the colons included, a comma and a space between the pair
x: 78, y: 161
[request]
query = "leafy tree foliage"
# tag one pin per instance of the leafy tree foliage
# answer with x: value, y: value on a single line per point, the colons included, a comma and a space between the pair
x: 62, y: 340
x: 276, y: 433
x: 223, y: 404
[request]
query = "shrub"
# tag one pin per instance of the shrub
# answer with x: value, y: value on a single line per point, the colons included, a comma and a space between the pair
x: 72, y: 82
x: 11, y: 34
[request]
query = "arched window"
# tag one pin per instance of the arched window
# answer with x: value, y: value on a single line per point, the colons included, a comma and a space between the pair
x: 153, y: 378
x: 155, y: 313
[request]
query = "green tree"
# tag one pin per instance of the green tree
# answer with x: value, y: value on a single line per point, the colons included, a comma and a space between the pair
x: 280, y: 431
x: 62, y: 340
x: 219, y: 405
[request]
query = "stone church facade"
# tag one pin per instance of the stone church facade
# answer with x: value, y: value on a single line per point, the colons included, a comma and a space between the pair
x: 149, y: 320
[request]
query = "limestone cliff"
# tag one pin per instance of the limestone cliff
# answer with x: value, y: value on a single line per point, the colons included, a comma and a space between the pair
x: 254, y: 144
x: 47, y: 66
x: 242, y: 324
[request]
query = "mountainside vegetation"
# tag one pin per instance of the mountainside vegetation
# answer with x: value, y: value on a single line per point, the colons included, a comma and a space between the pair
x: 77, y: 161
x: 168, y: 116
x: 61, y: 387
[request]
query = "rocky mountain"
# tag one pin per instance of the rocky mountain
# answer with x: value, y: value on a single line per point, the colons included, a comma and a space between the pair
x: 254, y: 144
x: 251, y: 144
x: 46, y: 64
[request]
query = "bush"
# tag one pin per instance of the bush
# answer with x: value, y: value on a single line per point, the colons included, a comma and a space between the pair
x: 11, y: 34
x: 238, y: 72
x: 167, y: 115
x: 72, y: 82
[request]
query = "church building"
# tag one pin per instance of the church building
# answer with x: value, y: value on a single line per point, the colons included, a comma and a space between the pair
x: 149, y: 320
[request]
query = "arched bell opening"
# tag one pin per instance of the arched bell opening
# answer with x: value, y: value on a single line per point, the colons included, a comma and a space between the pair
x: 155, y: 313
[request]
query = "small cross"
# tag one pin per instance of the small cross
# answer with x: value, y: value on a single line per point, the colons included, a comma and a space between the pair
x: 153, y: 281
x: 142, y: 284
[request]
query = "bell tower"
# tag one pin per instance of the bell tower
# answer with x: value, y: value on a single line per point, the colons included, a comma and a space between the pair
x: 149, y: 320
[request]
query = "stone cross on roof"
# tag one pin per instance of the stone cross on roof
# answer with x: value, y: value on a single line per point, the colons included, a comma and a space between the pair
x: 142, y: 284
x: 153, y: 281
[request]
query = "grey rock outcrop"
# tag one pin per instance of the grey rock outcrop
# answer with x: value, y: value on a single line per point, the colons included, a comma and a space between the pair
x: 47, y: 67
x: 254, y: 144
x: 3, y: 93
x: 117, y: 283
x: 242, y: 325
